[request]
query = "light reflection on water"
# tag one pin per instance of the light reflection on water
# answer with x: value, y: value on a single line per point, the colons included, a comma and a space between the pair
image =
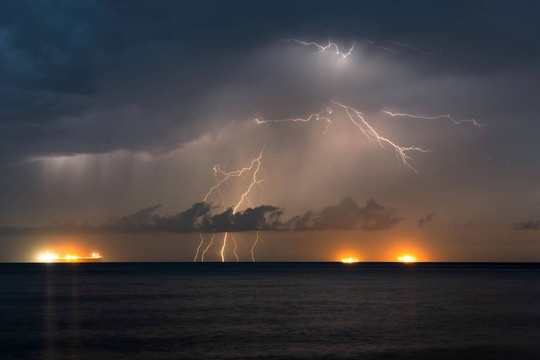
x: 208, y: 311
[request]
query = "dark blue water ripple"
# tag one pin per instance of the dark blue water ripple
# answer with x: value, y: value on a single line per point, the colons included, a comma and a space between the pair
x: 269, y: 311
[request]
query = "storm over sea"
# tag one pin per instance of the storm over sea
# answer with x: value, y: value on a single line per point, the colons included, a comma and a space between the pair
x: 269, y: 310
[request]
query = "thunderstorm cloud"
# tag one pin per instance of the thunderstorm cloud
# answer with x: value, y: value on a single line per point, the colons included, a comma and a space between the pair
x: 111, y: 106
x: 202, y: 217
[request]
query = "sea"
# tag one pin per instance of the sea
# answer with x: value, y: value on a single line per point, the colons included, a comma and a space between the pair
x: 270, y: 311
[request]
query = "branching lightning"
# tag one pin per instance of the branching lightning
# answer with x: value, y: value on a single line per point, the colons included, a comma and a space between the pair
x: 258, y: 175
x: 367, y: 130
x: 255, y: 171
x: 330, y: 47
x: 457, y: 122
x: 257, y: 163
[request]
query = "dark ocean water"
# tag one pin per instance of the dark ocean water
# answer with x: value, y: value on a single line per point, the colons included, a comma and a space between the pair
x: 269, y: 311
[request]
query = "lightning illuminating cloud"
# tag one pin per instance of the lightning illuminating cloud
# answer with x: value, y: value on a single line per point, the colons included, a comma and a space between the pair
x: 435, y: 117
x: 317, y: 116
x: 365, y: 129
x: 331, y: 47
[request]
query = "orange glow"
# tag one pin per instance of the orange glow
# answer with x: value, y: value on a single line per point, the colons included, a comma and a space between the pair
x: 349, y: 260
x: 49, y: 257
x: 407, y: 259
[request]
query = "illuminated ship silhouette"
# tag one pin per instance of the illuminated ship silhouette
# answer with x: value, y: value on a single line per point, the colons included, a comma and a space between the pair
x: 54, y: 258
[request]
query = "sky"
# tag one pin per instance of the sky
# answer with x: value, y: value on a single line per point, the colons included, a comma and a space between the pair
x: 118, y: 118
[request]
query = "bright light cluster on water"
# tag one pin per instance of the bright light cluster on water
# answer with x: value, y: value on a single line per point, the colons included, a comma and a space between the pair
x: 407, y: 259
x: 52, y: 257
x: 349, y: 260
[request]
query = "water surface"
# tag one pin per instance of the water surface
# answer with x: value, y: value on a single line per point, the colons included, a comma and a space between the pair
x: 269, y: 310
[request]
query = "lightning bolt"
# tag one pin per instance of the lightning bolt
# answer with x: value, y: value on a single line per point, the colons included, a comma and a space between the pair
x: 222, y: 179
x: 207, y: 247
x: 378, y: 45
x: 235, y: 247
x: 330, y: 47
x: 253, y: 247
x: 255, y: 180
x: 255, y: 163
x: 317, y: 116
x: 222, y: 253
x: 365, y: 129
x: 457, y: 122
x: 198, y: 248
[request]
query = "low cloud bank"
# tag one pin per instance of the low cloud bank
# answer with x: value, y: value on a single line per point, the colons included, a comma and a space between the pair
x: 202, y: 217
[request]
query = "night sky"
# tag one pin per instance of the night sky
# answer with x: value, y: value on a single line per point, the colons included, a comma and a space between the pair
x: 113, y: 115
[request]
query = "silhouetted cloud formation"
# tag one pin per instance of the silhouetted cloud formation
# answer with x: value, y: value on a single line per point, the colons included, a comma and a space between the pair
x: 198, y: 218
x: 138, y: 221
x: 346, y: 215
x: 426, y: 220
x: 527, y: 225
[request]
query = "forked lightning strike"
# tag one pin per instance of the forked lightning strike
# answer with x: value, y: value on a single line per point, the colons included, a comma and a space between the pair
x: 227, y: 175
x: 457, y: 122
x: 330, y: 47
x: 367, y: 130
x: 363, y: 126
x: 258, y: 176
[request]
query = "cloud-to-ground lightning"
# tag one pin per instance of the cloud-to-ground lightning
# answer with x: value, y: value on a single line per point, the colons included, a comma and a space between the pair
x: 435, y: 117
x: 357, y: 119
x: 390, y: 45
x: 254, y: 245
x: 198, y: 248
x: 258, y: 175
x: 235, y: 247
x: 330, y: 47
x: 207, y: 247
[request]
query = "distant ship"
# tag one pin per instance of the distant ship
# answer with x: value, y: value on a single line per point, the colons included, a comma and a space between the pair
x: 54, y: 258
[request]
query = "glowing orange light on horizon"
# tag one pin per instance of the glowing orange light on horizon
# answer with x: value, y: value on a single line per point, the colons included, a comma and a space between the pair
x: 48, y: 257
x: 52, y: 257
x: 349, y: 260
x: 407, y: 259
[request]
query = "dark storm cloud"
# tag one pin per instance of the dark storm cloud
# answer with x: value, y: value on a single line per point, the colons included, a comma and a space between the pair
x: 426, y: 220
x: 136, y: 222
x: 198, y: 218
x: 527, y: 225
x: 347, y: 215
x: 97, y: 76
